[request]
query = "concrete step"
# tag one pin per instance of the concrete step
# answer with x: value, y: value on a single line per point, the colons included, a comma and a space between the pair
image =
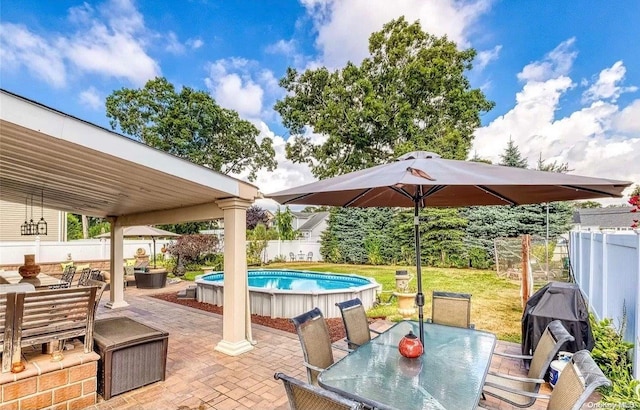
x: 188, y: 293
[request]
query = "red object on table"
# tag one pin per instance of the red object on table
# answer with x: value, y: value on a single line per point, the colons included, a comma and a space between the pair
x: 410, y: 346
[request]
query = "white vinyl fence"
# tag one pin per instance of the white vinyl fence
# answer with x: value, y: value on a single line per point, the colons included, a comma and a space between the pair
x: 80, y: 250
x: 606, y: 266
x: 300, y: 249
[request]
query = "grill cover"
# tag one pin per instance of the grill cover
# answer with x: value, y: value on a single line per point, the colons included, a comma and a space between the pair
x: 557, y: 300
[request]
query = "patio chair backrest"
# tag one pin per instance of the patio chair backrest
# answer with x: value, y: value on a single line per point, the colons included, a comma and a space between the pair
x: 100, y: 285
x: 451, y: 309
x: 313, y: 333
x: 550, y: 343
x: 303, y: 396
x: 578, y: 380
x: 355, y: 322
x: 68, y: 273
x: 7, y: 309
x: 85, y: 275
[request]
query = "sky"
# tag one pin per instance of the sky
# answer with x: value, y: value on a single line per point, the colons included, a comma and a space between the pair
x: 564, y: 76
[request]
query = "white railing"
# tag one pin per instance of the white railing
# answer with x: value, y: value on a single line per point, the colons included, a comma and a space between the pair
x: 606, y: 266
x: 12, y: 253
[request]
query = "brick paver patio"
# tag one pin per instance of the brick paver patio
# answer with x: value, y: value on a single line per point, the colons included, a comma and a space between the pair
x: 200, y: 378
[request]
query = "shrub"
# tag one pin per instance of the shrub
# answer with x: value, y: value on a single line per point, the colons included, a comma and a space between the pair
x: 189, y: 249
x: 610, y: 353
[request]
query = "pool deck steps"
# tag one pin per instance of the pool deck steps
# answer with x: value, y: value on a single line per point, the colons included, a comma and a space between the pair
x: 188, y: 293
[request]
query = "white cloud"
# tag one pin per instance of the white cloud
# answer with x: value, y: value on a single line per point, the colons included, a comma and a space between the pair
x: 590, y: 139
x: 110, y: 41
x: 235, y: 90
x: 195, y: 43
x: 287, y: 174
x: 92, y: 98
x: 628, y: 119
x: 483, y: 58
x: 557, y: 62
x: 287, y: 48
x: 607, y: 86
x: 344, y: 27
x: 174, y: 45
x: 21, y: 48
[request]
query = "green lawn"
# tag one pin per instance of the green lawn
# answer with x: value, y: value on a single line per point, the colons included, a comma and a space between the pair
x: 495, y: 301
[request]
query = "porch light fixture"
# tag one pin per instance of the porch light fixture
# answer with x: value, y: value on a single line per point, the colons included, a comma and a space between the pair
x: 32, y: 228
x: 41, y: 228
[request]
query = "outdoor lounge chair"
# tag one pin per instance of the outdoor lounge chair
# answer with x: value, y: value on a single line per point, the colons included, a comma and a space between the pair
x: 451, y: 309
x: 355, y: 323
x: 316, y: 342
x: 521, y: 391
x: 303, y: 396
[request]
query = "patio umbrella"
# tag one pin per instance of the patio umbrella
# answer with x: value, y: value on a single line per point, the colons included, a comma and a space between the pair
x: 144, y: 231
x: 420, y: 179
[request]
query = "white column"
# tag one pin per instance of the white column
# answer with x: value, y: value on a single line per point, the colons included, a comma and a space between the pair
x: 116, y: 286
x: 235, y: 320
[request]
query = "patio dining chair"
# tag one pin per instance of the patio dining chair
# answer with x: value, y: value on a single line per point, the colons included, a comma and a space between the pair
x: 303, y: 396
x: 355, y: 323
x: 68, y: 274
x: 578, y: 380
x: 522, y: 391
x: 451, y: 309
x: 292, y: 257
x: 309, y: 256
x: 313, y: 333
x: 85, y: 275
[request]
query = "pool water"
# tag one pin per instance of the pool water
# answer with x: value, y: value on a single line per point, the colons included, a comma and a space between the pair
x: 296, y: 280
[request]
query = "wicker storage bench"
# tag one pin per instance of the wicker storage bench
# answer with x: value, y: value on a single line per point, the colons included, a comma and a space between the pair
x: 131, y: 355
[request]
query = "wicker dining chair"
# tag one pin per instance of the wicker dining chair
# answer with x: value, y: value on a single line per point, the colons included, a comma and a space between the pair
x: 577, y: 382
x: 303, y: 396
x: 522, y: 391
x: 451, y: 309
x: 313, y: 333
x: 355, y: 322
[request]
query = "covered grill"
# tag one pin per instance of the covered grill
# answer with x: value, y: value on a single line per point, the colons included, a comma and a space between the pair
x: 557, y: 300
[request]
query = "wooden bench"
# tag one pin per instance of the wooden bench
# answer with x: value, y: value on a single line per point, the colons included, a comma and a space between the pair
x: 47, y: 316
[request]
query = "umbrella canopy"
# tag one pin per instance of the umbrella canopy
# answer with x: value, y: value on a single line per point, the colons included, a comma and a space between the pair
x: 146, y: 231
x: 142, y: 230
x: 420, y: 179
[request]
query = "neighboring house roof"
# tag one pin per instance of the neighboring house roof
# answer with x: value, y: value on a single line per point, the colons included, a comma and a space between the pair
x: 301, y: 215
x: 313, y: 221
x: 613, y: 217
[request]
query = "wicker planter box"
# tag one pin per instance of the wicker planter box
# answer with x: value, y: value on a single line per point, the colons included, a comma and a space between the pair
x: 131, y: 355
x: 151, y: 280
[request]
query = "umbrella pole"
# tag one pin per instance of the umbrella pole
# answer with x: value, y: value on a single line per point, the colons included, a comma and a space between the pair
x: 419, y: 295
x: 154, y: 251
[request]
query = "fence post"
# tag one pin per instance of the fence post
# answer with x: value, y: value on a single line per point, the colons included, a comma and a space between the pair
x: 592, y: 262
x: 636, y: 352
x: 605, y: 275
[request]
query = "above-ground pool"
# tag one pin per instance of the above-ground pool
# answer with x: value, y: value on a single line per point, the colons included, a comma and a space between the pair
x: 288, y: 293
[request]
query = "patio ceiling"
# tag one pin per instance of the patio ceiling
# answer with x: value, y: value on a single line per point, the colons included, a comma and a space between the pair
x: 81, y: 168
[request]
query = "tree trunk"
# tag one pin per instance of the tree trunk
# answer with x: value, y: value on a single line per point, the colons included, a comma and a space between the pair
x: 85, y: 227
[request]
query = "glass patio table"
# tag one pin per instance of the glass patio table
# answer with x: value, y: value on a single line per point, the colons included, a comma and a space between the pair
x: 449, y: 375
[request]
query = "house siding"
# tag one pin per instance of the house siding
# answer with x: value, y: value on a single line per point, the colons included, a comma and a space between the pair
x: 12, y: 216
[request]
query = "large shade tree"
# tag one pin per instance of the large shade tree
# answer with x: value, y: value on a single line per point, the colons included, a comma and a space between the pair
x: 191, y: 125
x: 410, y: 93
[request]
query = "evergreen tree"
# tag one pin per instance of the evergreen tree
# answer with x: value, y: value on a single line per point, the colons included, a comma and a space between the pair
x: 512, y: 157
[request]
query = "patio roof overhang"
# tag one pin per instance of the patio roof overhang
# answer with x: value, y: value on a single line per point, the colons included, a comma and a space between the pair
x: 81, y: 168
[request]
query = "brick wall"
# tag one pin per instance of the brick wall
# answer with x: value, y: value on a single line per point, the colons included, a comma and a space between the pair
x: 67, y: 389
